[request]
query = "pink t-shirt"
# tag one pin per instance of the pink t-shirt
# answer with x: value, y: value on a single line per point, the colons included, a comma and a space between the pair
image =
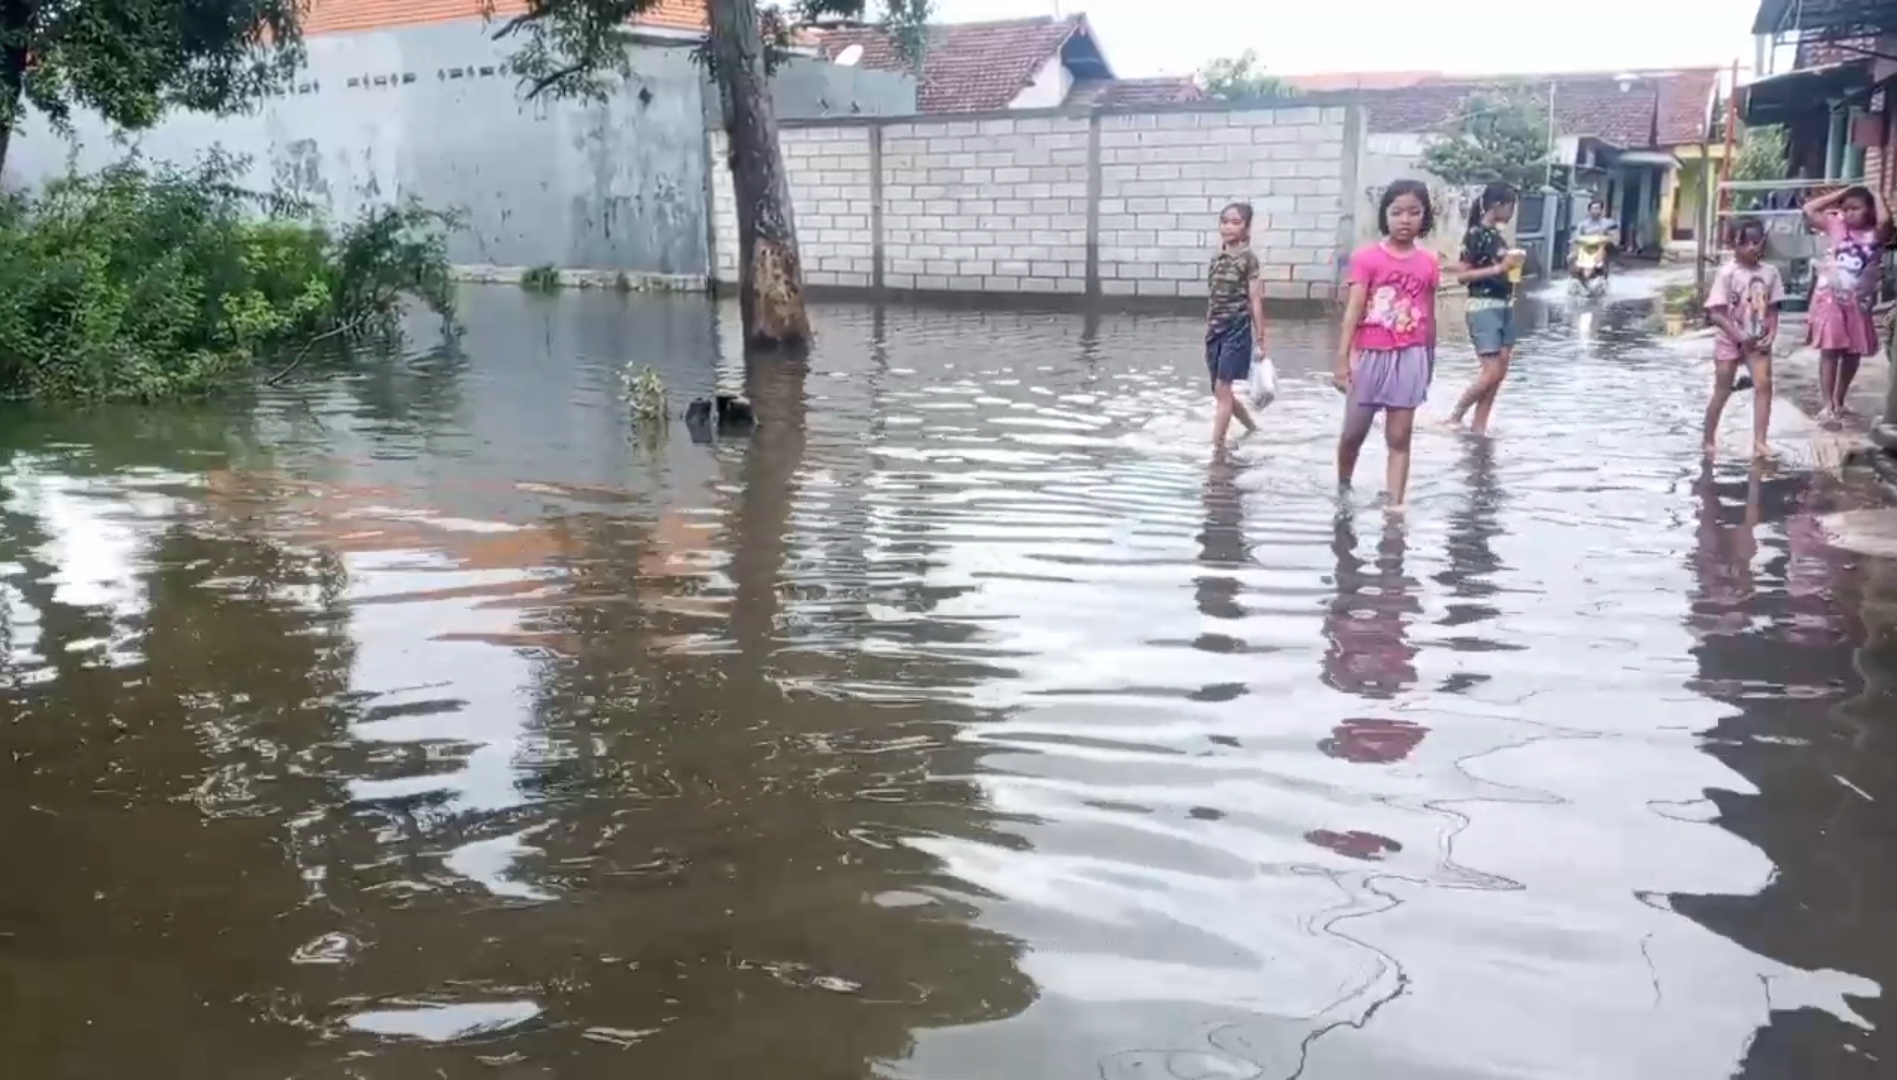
x: 1852, y: 265
x: 1748, y: 295
x: 1399, y: 310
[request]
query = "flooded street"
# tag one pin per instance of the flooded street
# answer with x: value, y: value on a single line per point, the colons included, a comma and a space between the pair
x: 962, y: 723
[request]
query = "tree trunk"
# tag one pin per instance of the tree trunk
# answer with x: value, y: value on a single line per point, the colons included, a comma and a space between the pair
x: 16, y: 23
x: 770, y: 278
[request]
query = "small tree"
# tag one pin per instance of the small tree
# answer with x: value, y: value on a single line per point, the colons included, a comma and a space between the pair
x: 1243, y: 78
x: 1764, y: 154
x: 579, y: 48
x: 1499, y: 133
x: 131, y: 59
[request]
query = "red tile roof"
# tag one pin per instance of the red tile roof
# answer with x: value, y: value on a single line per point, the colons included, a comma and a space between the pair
x: 352, y: 16
x: 1163, y: 90
x: 1586, y: 105
x: 1359, y: 80
x: 1686, y: 106
x: 966, y: 67
x: 1658, y: 108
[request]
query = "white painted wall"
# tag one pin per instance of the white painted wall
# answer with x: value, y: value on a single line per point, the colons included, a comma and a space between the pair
x: 1049, y: 88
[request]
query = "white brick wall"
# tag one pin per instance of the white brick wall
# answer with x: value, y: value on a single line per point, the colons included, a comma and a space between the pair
x: 828, y: 170
x: 986, y: 205
x: 1164, y: 177
x: 1001, y: 205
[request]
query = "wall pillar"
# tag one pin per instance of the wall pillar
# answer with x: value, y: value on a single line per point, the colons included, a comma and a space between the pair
x: 1093, y: 205
x: 876, y: 240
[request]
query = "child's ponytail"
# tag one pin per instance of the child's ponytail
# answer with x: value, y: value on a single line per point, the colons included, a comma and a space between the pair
x: 1496, y: 193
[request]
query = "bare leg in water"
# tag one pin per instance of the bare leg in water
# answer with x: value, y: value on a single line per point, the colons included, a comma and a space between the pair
x: 1227, y: 408
x: 1398, y: 424
x: 1483, y: 391
x: 1847, y: 371
x: 1357, y: 421
x: 1828, y: 383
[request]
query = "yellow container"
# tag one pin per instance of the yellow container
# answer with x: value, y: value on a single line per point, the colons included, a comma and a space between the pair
x: 1515, y: 272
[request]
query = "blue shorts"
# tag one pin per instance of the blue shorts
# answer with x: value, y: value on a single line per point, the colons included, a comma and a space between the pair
x: 1492, y: 329
x: 1228, y: 352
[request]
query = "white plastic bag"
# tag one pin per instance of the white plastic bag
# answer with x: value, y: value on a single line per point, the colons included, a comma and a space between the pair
x: 1262, y: 388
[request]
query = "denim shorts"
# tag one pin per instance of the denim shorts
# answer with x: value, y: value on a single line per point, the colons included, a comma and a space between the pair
x: 1228, y: 352
x: 1492, y: 329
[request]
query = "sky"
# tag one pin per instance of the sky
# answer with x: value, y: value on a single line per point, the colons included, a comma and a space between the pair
x: 1294, y: 37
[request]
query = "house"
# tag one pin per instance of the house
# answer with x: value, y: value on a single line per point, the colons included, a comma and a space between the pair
x: 1641, y: 140
x: 1825, y: 73
x: 1034, y: 63
x: 682, y: 18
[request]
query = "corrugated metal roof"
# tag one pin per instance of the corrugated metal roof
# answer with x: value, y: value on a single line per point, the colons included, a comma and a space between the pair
x: 356, y: 16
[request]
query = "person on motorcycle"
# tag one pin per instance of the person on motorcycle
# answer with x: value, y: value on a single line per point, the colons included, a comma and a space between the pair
x: 1597, y: 223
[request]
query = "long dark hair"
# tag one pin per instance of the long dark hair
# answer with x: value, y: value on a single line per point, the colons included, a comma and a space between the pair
x: 1395, y: 191
x: 1496, y: 194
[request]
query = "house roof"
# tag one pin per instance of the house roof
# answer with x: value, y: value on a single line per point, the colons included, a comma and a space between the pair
x: 1824, y: 18
x: 1358, y: 80
x: 1161, y: 90
x: 1660, y: 108
x: 356, y: 16
x: 1686, y: 106
x: 967, y: 67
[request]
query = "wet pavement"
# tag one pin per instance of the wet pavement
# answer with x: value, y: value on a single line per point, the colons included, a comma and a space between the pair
x: 964, y: 722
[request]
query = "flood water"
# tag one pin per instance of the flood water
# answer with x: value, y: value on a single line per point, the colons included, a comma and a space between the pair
x: 966, y: 722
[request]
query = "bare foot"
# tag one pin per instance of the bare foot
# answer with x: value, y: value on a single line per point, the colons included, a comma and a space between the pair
x: 1396, y: 510
x: 1762, y: 450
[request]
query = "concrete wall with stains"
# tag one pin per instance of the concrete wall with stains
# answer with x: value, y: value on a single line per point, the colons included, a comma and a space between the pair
x: 433, y: 112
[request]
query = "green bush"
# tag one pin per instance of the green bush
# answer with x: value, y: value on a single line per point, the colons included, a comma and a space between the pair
x: 149, y: 281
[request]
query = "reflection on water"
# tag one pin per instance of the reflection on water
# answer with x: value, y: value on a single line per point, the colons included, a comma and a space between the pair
x: 964, y: 721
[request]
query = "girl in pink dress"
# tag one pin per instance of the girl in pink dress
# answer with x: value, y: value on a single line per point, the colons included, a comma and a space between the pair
x: 1855, y: 224
x: 1387, y: 351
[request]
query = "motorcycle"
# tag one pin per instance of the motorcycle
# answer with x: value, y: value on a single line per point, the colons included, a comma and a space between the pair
x: 1589, y: 273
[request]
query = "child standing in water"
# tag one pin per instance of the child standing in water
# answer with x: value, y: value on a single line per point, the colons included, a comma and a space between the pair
x: 1743, y: 306
x: 1855, y: 224
x: 1234, y: 318
x: 1487, y: 267
x: 1388, y: 347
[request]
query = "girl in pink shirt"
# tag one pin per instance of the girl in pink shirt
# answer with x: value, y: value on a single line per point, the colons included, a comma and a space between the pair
x: 1388, y: 349
x: 1855, y: 225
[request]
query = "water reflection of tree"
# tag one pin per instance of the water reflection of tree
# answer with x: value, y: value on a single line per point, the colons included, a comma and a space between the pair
x: 727, y: 826
x: 1369, y: 652
x: 143, y: 810
x: 1772, y: 644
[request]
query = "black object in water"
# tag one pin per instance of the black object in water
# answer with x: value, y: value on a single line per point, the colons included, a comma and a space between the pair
x: 731, y: 414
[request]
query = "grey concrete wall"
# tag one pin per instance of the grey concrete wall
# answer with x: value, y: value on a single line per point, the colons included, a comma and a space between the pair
x: 1111, y: 202
x: 432, y: 112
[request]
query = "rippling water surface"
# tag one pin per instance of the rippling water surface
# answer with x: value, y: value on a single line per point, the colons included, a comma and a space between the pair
x: 964, y: 722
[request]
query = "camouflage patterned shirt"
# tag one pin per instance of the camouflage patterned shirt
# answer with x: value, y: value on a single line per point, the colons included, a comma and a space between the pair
x: 1229, y: 282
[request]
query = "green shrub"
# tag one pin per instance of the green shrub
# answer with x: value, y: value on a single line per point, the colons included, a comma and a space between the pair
x: 540, y: 278
x: 150, y: 281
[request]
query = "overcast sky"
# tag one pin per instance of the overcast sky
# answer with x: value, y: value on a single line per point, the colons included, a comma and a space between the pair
x: 1174, y: 37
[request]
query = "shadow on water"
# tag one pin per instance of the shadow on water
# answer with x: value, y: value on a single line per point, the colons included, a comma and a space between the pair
x: 435, y: 719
